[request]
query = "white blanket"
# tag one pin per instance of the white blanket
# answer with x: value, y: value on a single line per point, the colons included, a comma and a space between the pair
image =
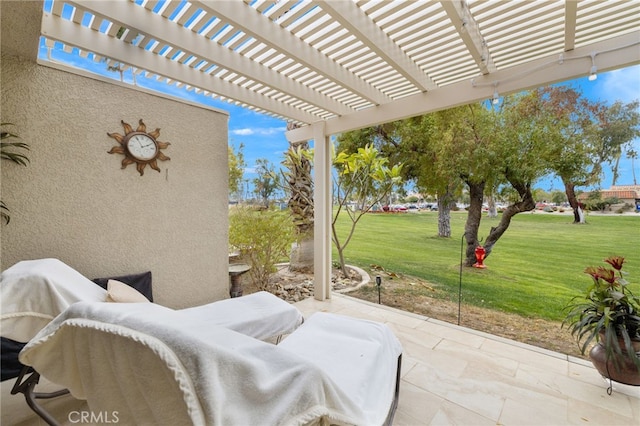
x: 33, y: 292
x: 149, y: 365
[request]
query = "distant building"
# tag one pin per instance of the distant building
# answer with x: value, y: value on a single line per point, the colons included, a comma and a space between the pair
x: 628, y: 194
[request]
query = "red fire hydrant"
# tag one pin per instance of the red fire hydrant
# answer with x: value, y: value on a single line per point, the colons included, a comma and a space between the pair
x: 480, y: 253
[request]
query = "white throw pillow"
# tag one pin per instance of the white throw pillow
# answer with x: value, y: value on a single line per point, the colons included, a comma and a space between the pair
x: 119, y: 292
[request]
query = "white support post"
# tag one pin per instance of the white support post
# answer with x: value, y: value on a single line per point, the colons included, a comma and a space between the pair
x: 322, y: 213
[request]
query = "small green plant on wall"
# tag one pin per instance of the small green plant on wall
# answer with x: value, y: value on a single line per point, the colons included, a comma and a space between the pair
x: 12, y: 150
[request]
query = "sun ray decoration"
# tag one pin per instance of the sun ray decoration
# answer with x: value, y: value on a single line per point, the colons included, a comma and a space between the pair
x: 139, y: 147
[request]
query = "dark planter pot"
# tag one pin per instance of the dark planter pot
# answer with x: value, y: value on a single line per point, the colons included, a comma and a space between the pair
x: 624, y: 371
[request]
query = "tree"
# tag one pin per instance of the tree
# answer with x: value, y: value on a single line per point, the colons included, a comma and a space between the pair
x: 381, y: 137
x: 632, y: 155
x: 502, y: 146
x: 364, y: 178
x: 573, y: 154
x: 236, y: 169
x: 582, y: 136
x: 299, y: 184
x: 424, y: 156
x: 470, y: 150
x: 417, y: 143
x: 558, y: 197
x: 618, y: 126
x: 267, y: 182
x: 523, y: 136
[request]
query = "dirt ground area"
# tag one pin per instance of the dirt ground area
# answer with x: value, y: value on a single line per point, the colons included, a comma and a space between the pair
x: 412, y: 295
x: 415, y: 295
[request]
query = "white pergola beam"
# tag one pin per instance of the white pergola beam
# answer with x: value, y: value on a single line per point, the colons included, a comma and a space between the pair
x: 570, y: 17
x: 139, y: 20
x: 614, y: 53
x: 103, y: 45
x: 469, y: 32
x: 273, y: 35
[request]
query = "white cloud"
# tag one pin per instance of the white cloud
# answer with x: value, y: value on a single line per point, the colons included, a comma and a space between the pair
x: 242, y: 132
x: 260, y: 131
x: 622, y: 84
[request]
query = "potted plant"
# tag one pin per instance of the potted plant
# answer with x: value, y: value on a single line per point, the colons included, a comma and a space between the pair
x: 608, y: 317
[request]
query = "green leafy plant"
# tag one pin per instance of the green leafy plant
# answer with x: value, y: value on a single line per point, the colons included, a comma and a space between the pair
x: 11, y: 150
x: 364, y: 179
x: 263, y: 238
x: 608, y: 314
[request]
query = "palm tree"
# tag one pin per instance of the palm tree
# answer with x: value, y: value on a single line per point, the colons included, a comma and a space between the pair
x: 297, y: 179
x: 632, y: 154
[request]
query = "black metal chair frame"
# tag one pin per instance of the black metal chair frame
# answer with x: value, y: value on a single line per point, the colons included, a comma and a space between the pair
x: 396, y: 396
x: 27, y: 388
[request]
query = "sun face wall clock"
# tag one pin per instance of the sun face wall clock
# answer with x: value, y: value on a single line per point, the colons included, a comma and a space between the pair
x: 139, y: 147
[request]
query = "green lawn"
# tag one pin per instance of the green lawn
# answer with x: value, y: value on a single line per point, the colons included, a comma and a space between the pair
x: 534, y: 270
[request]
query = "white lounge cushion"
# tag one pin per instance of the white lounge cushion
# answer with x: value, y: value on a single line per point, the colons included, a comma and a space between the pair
x: 33, y: 292
x: 360, y: 357
x: 261, y: 315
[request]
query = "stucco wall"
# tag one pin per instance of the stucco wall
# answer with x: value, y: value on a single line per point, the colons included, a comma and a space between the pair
x: 74, y: 202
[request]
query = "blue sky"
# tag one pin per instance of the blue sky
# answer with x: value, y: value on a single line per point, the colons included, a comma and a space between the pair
x: 263, y: 136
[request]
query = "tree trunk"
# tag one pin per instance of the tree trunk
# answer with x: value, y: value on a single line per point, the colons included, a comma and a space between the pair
x: 343, y: 265
x: 493, y: 212
x: 444, y: 219
x: 301, y: 259
x: 476, y: 191
x: 569, y: 189
x: 614, y: 171
x: 300, y: 184
x: 444, y: 213
x: 526, y: 204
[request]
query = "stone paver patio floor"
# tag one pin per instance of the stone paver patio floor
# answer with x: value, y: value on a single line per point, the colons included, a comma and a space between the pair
x: 455, y: 375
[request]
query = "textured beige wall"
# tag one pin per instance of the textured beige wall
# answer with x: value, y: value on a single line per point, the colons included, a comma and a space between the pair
x: 74, y: 202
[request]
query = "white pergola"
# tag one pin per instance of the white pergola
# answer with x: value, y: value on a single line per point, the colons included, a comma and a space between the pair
x: 332, y: 66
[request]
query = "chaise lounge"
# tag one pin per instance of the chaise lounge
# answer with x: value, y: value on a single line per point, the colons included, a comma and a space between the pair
x: 146, y: 363
x: 34, y: 292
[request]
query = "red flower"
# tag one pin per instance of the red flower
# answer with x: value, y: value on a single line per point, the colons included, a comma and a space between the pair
x: 615, y: 261
x: 593, y: 271
x: 607, y: 275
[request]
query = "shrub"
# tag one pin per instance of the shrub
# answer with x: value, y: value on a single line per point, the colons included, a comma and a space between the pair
x: 263, y: 238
